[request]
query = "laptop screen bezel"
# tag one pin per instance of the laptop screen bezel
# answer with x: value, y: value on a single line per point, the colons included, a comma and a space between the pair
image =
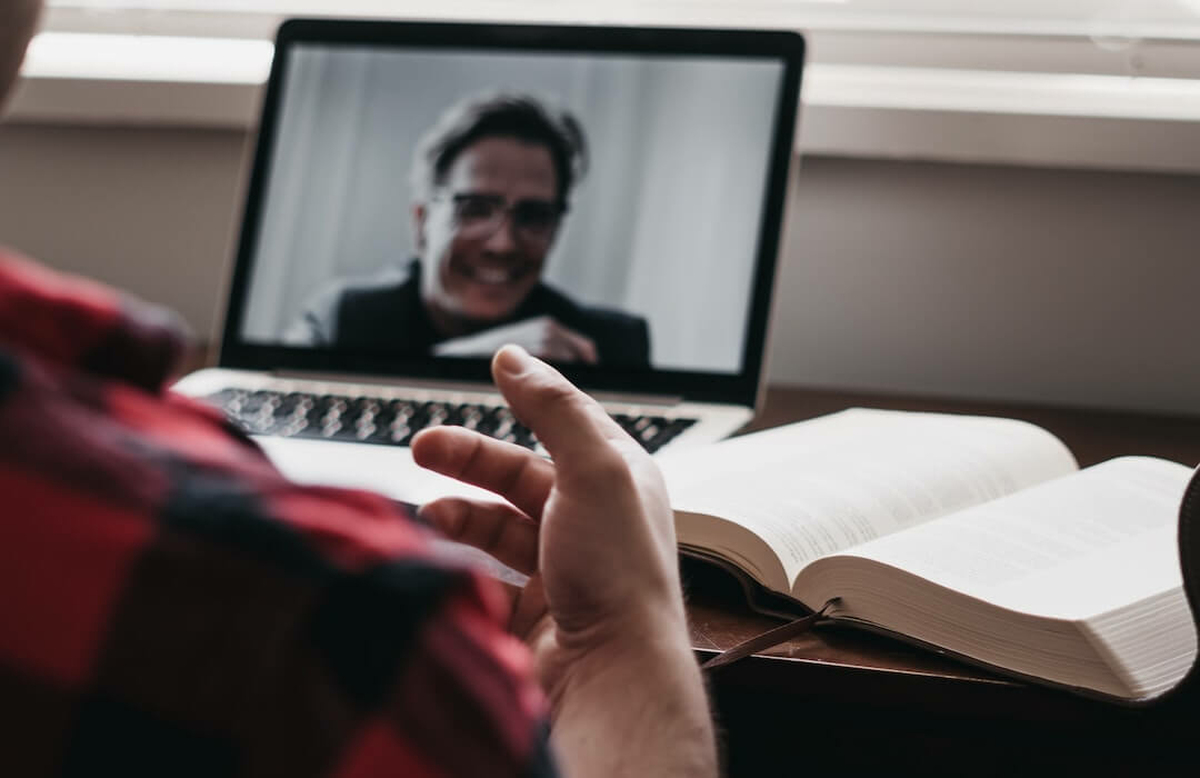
x: 741, y: 388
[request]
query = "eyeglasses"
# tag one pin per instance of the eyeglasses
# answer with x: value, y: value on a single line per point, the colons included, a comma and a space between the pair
x: 480, y: 215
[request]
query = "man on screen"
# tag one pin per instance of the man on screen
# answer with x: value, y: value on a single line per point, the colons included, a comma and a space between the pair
x: 491, y: 182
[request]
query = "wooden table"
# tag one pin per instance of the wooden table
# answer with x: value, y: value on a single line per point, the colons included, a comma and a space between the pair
x: 848, y: 702
x: 844, y: 700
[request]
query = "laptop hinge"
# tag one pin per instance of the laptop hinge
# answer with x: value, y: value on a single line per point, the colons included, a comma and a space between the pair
x: 477, y: 387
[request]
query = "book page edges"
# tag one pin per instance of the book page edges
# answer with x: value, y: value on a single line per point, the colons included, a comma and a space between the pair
x: 759, y: 598
x: 1005, y: 674
x: 1150, y: 644
x: 898, y: 603
x: 713, y: 536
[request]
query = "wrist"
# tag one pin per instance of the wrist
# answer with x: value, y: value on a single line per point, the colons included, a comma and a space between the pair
x: 635, y: 648
x: 627, y: 613
x: 644, y: 632
x: 635, y: 706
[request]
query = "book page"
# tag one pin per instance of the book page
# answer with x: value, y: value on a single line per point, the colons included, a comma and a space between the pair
x: 1072, y: 548
x: 821, y: 486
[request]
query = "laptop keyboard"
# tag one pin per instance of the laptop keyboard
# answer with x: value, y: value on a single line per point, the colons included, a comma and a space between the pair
x: 392, y: 421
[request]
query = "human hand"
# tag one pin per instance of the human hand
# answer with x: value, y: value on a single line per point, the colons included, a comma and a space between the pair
x: 603, y: 611
x: 542, y: 336
x: 593, y: 528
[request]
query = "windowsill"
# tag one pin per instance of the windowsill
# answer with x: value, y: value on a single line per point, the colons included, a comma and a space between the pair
x: 872, y: 111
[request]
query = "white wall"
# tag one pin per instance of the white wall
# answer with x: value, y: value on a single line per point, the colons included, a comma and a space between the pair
x: 148, y: 211
x: 1050, y: 286
x: 1037, y: 285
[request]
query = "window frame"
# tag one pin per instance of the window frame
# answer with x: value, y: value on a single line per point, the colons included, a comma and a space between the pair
x: 1131, y: 98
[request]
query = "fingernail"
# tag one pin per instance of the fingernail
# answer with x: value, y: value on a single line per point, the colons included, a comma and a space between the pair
x: 514, y: 360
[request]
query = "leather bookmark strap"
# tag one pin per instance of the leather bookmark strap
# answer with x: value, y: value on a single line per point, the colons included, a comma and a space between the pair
x: 768, y: 639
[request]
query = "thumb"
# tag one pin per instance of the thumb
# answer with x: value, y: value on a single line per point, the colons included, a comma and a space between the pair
x: 571, y: 425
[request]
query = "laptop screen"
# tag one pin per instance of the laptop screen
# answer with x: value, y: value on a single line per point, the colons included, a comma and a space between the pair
x: 608, y: 198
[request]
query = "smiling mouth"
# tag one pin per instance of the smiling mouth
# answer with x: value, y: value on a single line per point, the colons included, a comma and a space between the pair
x: 494, y: 276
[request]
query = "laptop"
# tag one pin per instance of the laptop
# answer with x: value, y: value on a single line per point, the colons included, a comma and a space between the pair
x: 421, y: 193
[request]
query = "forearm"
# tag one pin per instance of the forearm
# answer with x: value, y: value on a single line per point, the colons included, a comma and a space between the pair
x: 635, y: 710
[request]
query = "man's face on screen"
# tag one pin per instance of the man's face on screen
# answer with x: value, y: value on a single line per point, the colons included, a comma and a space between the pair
x: 485, y: 233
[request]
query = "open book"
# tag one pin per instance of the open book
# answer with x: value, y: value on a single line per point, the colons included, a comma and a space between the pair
x: 979, y: 536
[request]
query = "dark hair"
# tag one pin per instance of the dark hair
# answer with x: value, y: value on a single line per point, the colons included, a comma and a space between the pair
x: 500, y: 115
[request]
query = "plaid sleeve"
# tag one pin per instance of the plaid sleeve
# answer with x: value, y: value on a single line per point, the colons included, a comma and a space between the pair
x: 172, y: 606
x: 74, y: 322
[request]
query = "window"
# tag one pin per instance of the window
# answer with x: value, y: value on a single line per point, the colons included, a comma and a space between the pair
x: 928, y: 63
x: 1101, y: 18
x: 1155, y: 38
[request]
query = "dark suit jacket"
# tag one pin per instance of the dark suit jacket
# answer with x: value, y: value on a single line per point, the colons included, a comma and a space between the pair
x: 386, y: 316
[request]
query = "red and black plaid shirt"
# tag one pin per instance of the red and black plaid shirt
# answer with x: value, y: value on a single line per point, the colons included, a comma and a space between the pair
x: 170, y: 605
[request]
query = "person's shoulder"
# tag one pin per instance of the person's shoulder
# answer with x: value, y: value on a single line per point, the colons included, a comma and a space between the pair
x: 386, y: 283
x: 614, y: 318
x: 366, y: 306
x: 561, y: 305
x: 348, y: 305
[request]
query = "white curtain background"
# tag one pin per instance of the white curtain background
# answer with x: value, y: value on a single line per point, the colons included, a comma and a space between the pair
x: 664, y: 225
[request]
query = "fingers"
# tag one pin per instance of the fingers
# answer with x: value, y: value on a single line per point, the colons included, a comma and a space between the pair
x: 578, y: 347
x: 572, y: 426
x: 496, y: 528
x: 528, y: 620
x: 515, y: 473
x: 543, y: 335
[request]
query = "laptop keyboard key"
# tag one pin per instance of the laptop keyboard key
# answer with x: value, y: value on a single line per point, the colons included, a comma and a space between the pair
x: 394, y: 421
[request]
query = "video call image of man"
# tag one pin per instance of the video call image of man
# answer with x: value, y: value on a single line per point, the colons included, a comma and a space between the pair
x: 491, y: 187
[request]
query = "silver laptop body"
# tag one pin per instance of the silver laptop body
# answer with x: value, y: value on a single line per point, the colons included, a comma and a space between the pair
x: 656, y: 266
